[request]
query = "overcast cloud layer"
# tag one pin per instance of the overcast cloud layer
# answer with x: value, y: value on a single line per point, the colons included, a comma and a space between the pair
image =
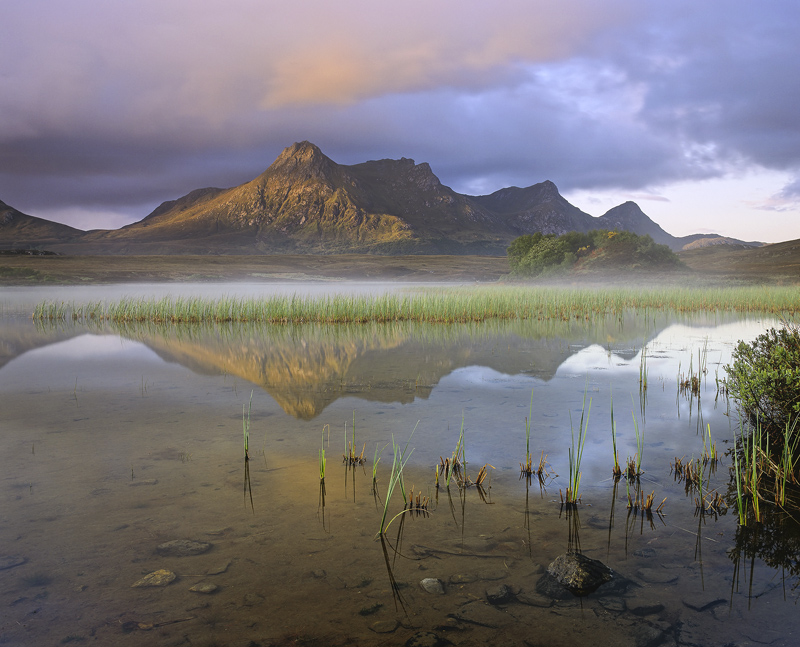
x: 109, y: 108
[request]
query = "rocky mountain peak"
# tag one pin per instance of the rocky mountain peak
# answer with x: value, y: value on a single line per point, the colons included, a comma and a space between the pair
x: 302, y: 157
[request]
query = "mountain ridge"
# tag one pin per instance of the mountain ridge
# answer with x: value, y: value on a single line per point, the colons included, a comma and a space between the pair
x: 306, y: 202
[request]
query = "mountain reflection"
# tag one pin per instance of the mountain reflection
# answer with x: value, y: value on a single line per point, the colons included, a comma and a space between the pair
x: 307, y: 367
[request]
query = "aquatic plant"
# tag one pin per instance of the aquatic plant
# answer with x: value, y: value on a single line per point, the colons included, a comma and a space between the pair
x: 643, y: 370
x: 709, y: 448
x: 399, y: 459
x: 634, y: 463
x: 350, y: 457
x: 322, y: 460
x: 576, y: 454
x: 526, y: 468
x: 617, y: 471
x: 246, y: 427
x: 432, y: 305
x: 454, y: 465
x: 639, y: 503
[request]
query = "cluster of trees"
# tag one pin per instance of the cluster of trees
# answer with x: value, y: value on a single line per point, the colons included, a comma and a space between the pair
x: 541, y: 254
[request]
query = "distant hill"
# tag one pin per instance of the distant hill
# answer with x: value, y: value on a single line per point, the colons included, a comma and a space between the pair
x: 307, y: 203
x: 21, y: 231
x: 779, y: 262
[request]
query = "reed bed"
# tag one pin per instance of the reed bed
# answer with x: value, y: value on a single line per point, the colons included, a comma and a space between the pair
x: 440, y: 305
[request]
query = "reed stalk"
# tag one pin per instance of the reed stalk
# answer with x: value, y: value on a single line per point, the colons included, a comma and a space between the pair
x: 399, y: 459
x: 576, y: 453
x: 322, y: 460
x: 527, y: 467
x: 246, y: 427
x: 617, y: 471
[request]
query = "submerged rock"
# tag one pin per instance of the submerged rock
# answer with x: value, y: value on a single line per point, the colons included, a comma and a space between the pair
x: 426, y: 639
x: 219, y: 569
x: 501, y: 594
x: 183, y: 547
x: 432, y: 585
x: 161, y: 577
x: 204, y: 587
x: 384, y: 626
x: 579, y: 574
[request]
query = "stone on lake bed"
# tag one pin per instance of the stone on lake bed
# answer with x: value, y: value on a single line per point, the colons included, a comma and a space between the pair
x: 161, y: 577
x: 218, y: 570
x: 384, y: 626
x: 183, y: 548
x: 204, y: 587
x: 501, y: 594
x: 432, y: 585
x: 579, y: 574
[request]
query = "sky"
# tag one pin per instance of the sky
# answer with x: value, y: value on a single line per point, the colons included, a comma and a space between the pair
x: 691, y: 109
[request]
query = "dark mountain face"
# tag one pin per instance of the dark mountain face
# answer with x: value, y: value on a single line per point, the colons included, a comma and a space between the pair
x: 306, y: 202
x: 21, y: 231
x: 536, y: 208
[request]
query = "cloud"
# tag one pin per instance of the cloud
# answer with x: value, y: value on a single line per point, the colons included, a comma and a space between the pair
x: 786, y: 200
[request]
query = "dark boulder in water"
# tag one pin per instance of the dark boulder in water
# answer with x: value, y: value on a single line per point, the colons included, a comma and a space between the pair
x: 579, y: 574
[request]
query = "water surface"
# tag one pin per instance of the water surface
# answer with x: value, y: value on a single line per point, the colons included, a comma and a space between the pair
x: 116, y: 440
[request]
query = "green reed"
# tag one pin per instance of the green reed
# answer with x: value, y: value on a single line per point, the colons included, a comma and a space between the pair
x: 246, y: 427
x: 527, y: 468
x: 322, y: 460
x: 617, y: 470
x: 634, y: 468
x: 399, y: 459
x: 576, y: 454
x: 432, y: 305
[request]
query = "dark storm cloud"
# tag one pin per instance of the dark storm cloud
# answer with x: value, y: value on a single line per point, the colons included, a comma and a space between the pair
x: 120, y: 106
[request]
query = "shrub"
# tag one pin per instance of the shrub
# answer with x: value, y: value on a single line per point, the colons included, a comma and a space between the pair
x: 764, y: 378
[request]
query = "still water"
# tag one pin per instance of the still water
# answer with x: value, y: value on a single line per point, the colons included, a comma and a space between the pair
x: 116, y: 441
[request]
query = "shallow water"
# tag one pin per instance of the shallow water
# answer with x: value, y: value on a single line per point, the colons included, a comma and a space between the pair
x: 115, y: 440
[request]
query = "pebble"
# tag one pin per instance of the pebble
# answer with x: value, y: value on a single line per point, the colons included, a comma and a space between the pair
x: 219, y: 569
x: 425, y: 639
x: 252, y: 599
x: 500, y: 594
x: 493, y: 574
x: 480, y: 613
x: 433, y: 585
x: 384, y: 626
x: 702, y: 602
x: 161, y: 577
x: 204, y: 587
x: 183, y: 547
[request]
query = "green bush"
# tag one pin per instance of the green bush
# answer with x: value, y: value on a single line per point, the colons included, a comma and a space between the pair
x: 764, y: 378
x: 536, y: 254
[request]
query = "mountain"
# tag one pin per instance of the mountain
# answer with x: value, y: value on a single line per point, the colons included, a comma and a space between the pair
x: 307, y: 203
x: 21, y: 231
x: 536, y: 208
